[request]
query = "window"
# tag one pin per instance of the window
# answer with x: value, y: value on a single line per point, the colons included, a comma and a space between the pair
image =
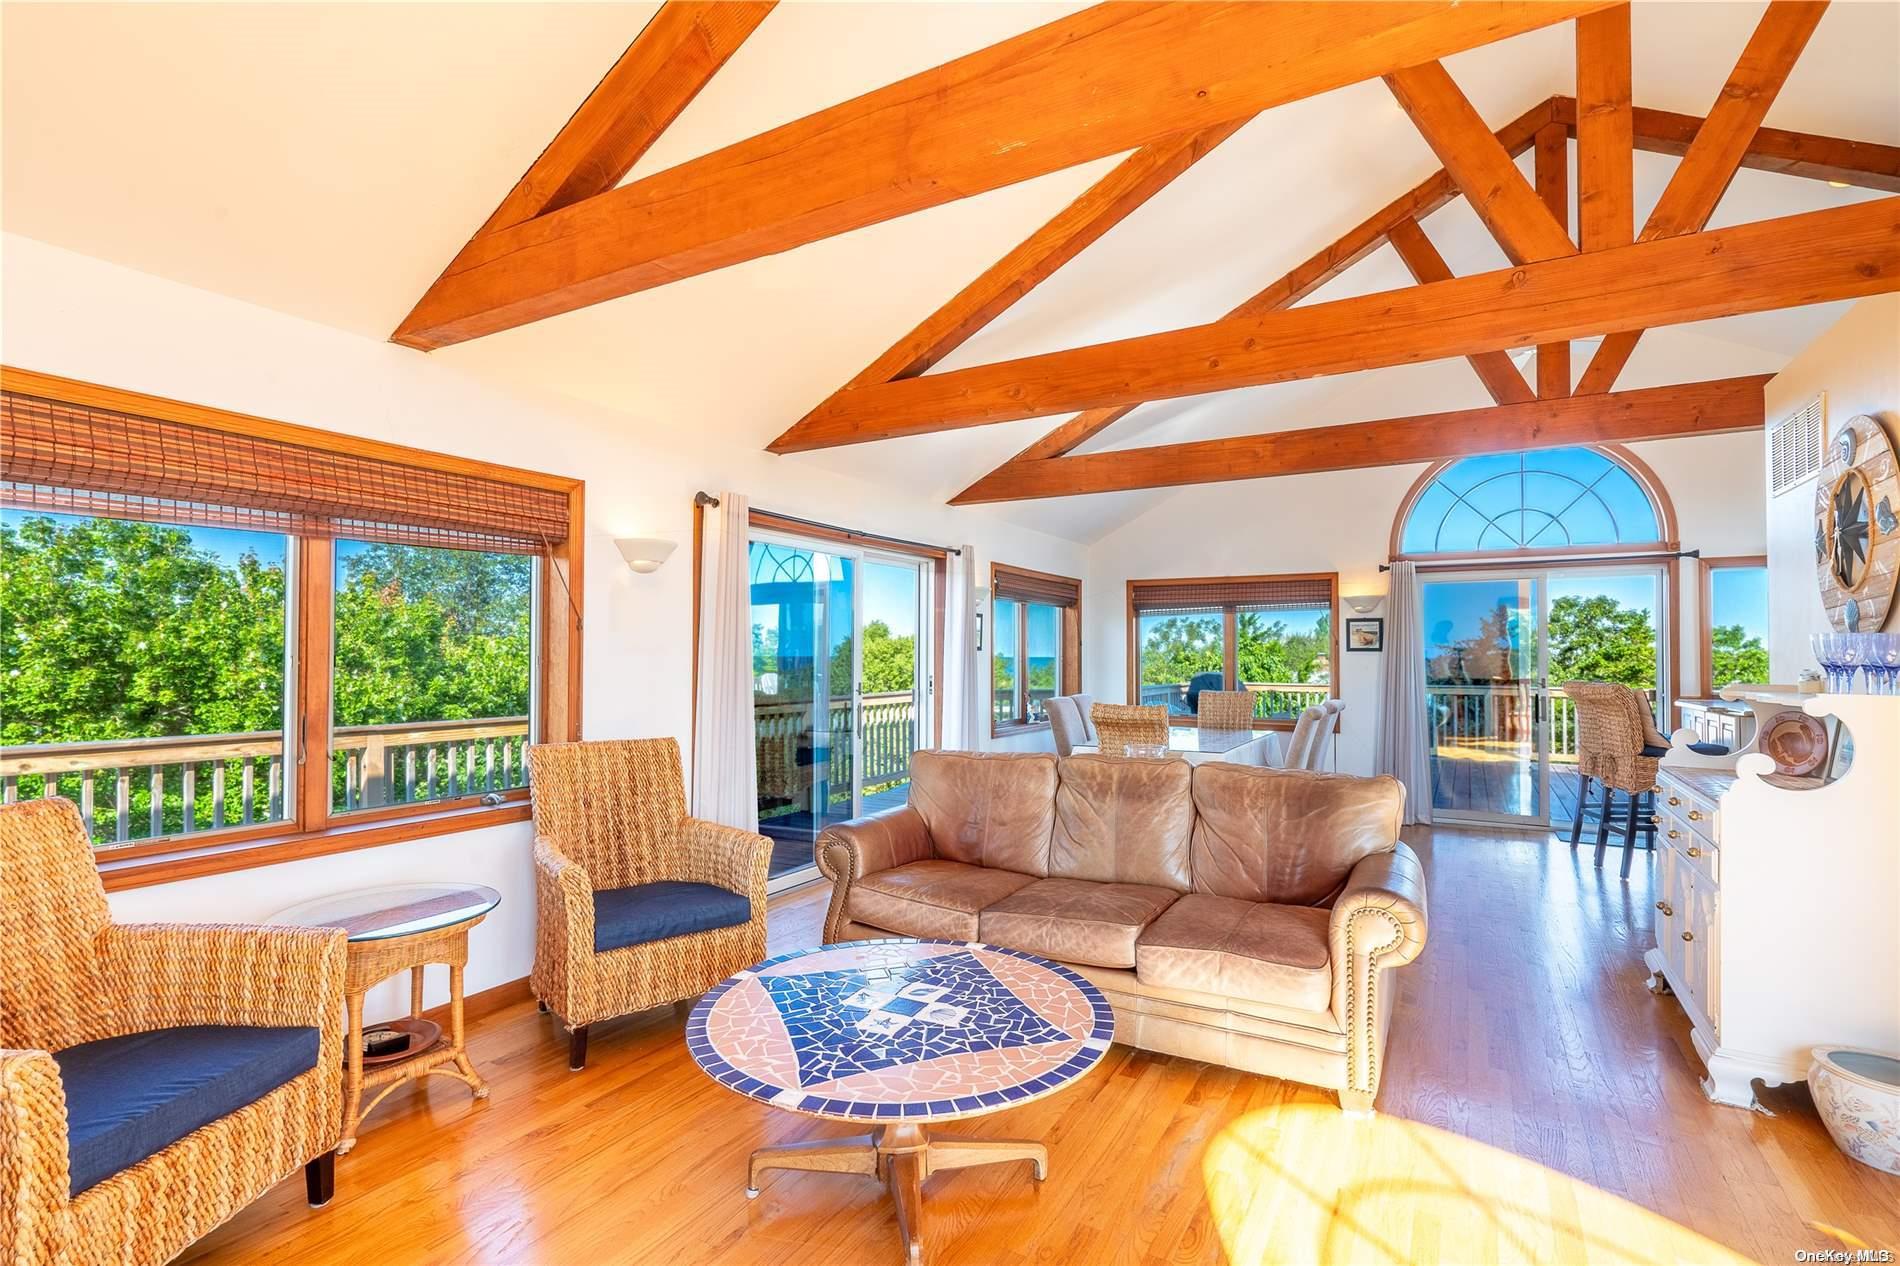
x: 1734, y: 621
x: 1272, y: 636
x: 1542, y: 501
x: 1036, y: 645
x: 235, y: 641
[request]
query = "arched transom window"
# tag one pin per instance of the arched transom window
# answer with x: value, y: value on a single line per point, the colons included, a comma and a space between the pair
x: 1549, y: 499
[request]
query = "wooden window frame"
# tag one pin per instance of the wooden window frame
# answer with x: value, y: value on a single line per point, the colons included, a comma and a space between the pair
x: 313, y: 830
x: 1230, y: 641
x: 1068, y: 652
x: 1705, y: 612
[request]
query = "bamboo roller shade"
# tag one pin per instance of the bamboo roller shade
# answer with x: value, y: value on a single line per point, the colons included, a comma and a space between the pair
x: 1187, y: 597
x: 1015, y: 584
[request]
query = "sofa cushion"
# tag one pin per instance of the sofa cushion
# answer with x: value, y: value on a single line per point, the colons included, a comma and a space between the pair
x: 1287, y: 836
x: 668, y: 907
x: 1241, y: 949
x: 991, y: 809
x: 933, y: 898
x: 131, y: 1097
x: 1075, y: 920
x: 1123, y: 821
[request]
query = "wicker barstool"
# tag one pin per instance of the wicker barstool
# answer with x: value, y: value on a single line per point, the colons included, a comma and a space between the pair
x: 89, y: 1007
x: 1611, y: 749
x: 1118, y: 725
x: 636, y: 904
x: 1225, y: 709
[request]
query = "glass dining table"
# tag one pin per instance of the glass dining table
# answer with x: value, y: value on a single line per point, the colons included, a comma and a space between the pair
x: 1198, y: 746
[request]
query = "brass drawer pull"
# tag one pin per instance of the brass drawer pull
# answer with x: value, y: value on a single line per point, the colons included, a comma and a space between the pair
x: 1675, y: 834
x: 1688, y: 936
x: 1695, y: 815
x: 1695, y: 852
x: 1673, y: 800
x: 1665, y: 907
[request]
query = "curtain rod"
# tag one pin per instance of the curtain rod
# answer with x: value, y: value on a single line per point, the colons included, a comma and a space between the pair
x: 1543, y: 560
x: 707, y: 499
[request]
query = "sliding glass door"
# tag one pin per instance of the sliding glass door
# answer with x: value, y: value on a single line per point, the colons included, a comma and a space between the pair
x: 838, y: 688
x: 1498, y: 646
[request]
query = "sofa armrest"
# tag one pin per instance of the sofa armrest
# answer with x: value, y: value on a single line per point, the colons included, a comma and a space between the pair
x: 1378, y: 922
x: 35, y: 1211
x: 728, y: 858
x: 167, y: 974
x: 849, y: 851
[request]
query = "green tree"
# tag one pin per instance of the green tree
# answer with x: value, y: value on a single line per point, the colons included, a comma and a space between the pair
x: 890, y: 663
x: 1178, y: 647
x: 1735, y: 656
x: 1596, y: 638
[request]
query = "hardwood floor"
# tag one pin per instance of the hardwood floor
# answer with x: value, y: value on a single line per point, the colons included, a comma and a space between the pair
x: 1539, y: 1105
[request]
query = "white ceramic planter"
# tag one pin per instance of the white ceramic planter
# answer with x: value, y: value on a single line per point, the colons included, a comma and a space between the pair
x: 1858, y: 1094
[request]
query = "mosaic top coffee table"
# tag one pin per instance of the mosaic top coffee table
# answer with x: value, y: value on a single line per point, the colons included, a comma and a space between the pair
x: 898, y: 1034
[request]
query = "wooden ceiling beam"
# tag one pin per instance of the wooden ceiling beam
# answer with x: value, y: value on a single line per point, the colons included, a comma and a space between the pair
x: 1705, y: 408
x: 674, y: 56
x: 1491, y: 182
x: 1101, y: 207
x: 1863, y: 164
x: 1720, y: 144
x: 1500, y: 377
x: 1101, y: 81
x: 1551, y: 163
x: 1841, y: 253
x: 1308, y: 276
x: 1606, y: 132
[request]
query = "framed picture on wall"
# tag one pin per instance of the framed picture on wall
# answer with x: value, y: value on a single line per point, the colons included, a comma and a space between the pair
x: 1365, y: 633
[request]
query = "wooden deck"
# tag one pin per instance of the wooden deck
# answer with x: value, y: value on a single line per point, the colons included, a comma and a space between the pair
x: 1484, y: 783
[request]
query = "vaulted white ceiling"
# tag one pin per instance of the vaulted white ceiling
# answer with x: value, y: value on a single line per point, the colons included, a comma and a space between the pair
x: 327, y: 160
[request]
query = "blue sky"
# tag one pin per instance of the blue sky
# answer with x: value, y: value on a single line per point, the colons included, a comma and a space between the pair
x: 227, y: 544
x: 1739, y: 595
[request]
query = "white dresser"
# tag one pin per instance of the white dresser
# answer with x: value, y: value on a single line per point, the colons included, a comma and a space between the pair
x: 1778, y: 908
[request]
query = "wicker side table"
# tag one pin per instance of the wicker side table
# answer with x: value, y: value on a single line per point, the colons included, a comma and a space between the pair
x: 393, y: 930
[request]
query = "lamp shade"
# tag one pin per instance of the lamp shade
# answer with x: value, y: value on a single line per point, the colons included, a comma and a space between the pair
x: 645, y: 553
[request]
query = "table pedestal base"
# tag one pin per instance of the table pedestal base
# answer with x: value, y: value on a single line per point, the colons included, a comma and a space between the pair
x: 903, y: 1153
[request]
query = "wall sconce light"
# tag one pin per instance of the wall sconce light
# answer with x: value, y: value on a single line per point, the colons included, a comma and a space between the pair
x: 1363, y: 602
x: 645, y: 554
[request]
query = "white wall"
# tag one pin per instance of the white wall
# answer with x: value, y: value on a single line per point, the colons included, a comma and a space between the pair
x: 1342, y: 522
x: 68, y: 314
x: 1857, y: 363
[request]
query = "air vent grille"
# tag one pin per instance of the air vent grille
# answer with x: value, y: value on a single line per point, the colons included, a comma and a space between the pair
x: 1794, y: 445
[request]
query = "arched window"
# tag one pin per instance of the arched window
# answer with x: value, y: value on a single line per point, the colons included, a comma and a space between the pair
x: 1548, y: 499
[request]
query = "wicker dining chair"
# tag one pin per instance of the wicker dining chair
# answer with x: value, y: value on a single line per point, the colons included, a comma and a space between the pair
x: 636, y: 904
x: 1612, y: 750
x: 155, y: 1078
x: 1225, y: 709
x: 1118, y: 725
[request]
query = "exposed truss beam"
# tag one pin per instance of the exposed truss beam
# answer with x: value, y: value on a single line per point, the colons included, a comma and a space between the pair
x: 1495, y: 370
x: 1101, y: 207
x: 1605, y: 130
x: 1102, y: 81
x: 1480, y: 166
x: 1732, y: 404
x: 674, y: 56
x: 1704, y: 174
x: 1551, y: 163
x: 1841, y: 253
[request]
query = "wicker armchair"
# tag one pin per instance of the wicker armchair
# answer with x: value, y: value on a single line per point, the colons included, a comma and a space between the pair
x: 636, y: 904
x: 1613, y: 749
x: 1225, y: 709
x: 102, y: 1157
x: 1122, y: 724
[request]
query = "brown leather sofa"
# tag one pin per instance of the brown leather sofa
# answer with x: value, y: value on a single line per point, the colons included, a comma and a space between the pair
x: 1233, y: 914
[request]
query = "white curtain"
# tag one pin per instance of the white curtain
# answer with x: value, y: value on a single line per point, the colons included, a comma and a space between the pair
x: 1403, y: 734
x: 725, y: 756
x: 959, y: 697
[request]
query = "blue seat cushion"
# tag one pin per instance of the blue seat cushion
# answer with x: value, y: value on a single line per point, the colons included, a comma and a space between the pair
x: 653, y: 912
x: 131, y: 1097
x: 1706, y: 749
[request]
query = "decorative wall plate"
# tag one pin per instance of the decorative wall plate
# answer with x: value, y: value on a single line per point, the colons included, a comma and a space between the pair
x: 1856, y: 546
x: 1796, y: 742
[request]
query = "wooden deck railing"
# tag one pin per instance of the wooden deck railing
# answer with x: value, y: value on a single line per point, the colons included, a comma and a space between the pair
x: 793, y: 752
x: 1467, y: 715
x: 139, y: 789
x: 1277, y: 699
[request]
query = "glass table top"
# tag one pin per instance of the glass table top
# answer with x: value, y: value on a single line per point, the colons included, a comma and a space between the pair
x: 918, y: 1030
x: 376, y: 914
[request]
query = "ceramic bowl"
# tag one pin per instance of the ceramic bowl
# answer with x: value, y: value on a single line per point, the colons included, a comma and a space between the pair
x: 1858, y: 1094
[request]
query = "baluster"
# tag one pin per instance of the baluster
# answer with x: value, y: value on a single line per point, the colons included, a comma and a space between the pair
x: 408, y: 773
x: 349, y: 780
x: 122, y: 825
x: 191, y: 798
x: 156, y: 783
x: 9, y: 789
x: 49, y: 786
x: 488, y: 765
x: 273, y: 767
x: 429, y: 765
x: 217, y: 794
x: 85, y: 798
x: 248, y: 775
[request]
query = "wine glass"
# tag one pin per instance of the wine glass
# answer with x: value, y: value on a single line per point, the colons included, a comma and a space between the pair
x: 1852, y: 654
x: 1889, y: 647
x: 1822, y: 644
